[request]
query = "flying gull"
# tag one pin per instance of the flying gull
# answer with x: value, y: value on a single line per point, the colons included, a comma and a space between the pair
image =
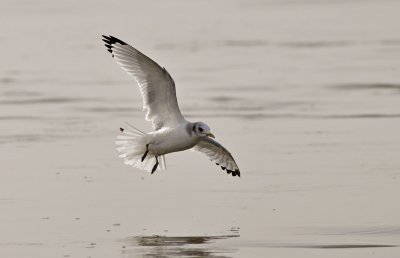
x: 172, y: 132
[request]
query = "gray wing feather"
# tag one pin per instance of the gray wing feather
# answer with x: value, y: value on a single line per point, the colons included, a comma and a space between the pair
x: 156, y: 84
x: 218, y: 154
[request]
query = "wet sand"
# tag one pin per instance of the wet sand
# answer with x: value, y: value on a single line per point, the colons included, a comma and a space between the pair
x: 305, y: 94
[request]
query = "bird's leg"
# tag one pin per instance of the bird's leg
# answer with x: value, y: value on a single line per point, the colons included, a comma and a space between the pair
x: 155, y: 166
x: 145, y: 154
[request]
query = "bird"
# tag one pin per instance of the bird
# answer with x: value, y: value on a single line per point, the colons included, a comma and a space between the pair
x: 172, y: 132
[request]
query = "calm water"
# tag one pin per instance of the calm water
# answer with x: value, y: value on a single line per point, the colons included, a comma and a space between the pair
x: 305, y: 94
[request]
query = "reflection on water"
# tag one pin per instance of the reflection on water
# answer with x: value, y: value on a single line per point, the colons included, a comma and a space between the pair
x: 177, y: 246
x: 210, y: 246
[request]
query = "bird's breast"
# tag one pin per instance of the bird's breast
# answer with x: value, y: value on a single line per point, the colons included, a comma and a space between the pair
x: 173, y: 140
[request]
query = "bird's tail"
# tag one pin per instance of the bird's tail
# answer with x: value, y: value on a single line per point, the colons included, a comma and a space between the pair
x: 131, y: 144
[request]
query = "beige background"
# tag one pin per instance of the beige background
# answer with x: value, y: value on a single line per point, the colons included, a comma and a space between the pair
x: 305, y: 94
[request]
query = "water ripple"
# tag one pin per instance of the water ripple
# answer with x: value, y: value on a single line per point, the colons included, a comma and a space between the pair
x: 50, y: 100
x: 367, y: 86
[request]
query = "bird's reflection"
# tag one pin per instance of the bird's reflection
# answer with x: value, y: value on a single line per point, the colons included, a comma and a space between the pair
x: 177, y: 246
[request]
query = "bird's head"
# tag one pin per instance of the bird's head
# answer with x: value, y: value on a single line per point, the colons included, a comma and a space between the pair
x: 201, y: 129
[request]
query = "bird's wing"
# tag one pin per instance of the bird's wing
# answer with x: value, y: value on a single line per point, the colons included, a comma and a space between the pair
x: 218, y: 154
x: 155, y: 83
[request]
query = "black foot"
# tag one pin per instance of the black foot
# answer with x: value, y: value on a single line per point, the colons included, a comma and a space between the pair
x: 145, y: 154
x: 155, y: 166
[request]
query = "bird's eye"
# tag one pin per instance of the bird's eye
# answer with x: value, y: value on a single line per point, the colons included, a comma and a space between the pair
x: 200, y: 129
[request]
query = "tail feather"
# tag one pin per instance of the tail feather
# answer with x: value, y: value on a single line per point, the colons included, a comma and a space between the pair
x: 131, y: 144
x: 134, y: 130
x: 163, y: 165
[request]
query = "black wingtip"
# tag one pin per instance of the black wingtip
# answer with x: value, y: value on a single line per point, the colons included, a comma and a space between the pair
x: 235, y: 172
x: 110, y: 41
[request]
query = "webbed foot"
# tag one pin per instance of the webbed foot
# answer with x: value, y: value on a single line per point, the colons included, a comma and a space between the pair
x: 155, y: 166
x: 145, y: 154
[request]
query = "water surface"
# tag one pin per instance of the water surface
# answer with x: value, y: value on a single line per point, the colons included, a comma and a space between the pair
x: 305, y: 94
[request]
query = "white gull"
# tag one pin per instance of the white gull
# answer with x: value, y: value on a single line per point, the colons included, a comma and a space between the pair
x: 172, y: 132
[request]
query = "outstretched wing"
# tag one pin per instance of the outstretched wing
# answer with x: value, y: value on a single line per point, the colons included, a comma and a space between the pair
x: 155, y: 83
x: 218, y: 154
